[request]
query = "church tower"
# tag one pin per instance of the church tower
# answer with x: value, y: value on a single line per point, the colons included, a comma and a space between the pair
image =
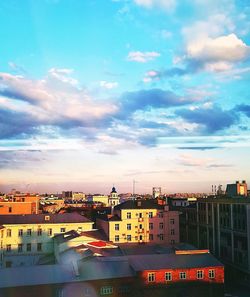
x: 113, y: 198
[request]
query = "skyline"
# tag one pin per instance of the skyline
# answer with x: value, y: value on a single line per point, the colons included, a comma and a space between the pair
x: 95, y: 93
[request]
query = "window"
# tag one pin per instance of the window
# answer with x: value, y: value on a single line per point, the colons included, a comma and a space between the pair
x: 116, y: 237
x: 161, y: 236
x: 8, y: 248
x: 128, y: 215
x: 168, y: 276
x: 151, y: 236
x: 140, y: 226
x: 211, y: 273
x: 172, y: 221
x: 20, y: 232
x: 20, y: 248
x: 124, y: 289
x: 8, y: 264
x: 161, y: 225
x: 172, y: 241
x: 183, y: 275
x: 50, y: 231
x: 140, y: 215
x: 160, y: 214
x: 199, y: 274
x: 172, y: 232
x: 28, y: 247
x: 150, y: 215
x: 28, y: 232
x: 128, y: 237
x: 107, y: 290
x: 117, y: 227
x: 39, y: 232
x: 151, y: 226
x: 63, y: 230
x: 8, y: 232
x: 151, y: 277
x: 10, y: 209
x: 39, y: 247
x: 128, y: 226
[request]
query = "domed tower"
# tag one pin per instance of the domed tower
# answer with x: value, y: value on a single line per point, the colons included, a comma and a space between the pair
x: 113, y: 197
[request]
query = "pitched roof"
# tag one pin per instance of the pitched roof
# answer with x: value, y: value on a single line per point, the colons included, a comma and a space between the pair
x: 139, y: 204
x: 43, y: 219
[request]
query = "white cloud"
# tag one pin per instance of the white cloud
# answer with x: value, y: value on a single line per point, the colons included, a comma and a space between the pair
x: 163, y: 4
x: 108, y: 85
x: 57, y: 98
x: 142, y: 57
x: 224, y: 48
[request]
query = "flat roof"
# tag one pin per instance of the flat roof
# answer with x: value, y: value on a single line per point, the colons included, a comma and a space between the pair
x: 43, y: 219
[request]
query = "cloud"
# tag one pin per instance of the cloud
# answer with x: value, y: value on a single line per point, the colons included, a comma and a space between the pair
x: 57, y: 100
x: 108, y: 85
x: 142, y: 57
x: 190, y: 161
x: 217, y: 54
x: 167, y: 5
x: 198, y: 148
x: 244, y: 108
x: 146, y: 99
x: 212, y: 118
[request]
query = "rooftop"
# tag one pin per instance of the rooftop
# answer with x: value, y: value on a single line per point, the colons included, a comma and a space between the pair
x: 139, y: 204
x: 43, y: 219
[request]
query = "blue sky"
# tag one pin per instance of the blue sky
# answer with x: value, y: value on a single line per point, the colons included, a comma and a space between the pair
x: 95, y: 93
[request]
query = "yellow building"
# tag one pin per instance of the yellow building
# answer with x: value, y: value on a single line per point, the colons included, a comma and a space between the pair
x: 31, y: 235
x: 141, y: 221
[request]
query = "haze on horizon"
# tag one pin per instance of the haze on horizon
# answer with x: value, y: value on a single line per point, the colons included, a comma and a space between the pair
x: 95, y: 93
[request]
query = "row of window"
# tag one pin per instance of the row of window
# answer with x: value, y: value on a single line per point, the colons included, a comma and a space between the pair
x: 151, y: 227
x: 150, y: 215
x: 141, y: 237
x: 21, y: 247
x: 39, y: 232
x: 182, y: 275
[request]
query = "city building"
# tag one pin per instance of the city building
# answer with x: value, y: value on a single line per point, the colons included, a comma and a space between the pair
x: 25, y: 238
x: 237, y: 189
x: 141, y: 221
x: 97, y: 198
x: 222, y: 225
x: 156, y: 192
x: 78, y: 196
x: 80, y: 271
x: 114, y: 199
x: 19, y: 204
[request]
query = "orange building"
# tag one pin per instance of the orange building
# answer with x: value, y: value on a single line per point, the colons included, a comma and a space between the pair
x: 21, y: 204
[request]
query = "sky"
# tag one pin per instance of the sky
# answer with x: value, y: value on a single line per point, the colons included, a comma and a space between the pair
x: 96, y: 93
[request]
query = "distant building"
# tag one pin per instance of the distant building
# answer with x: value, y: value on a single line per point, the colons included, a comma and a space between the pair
x: 156, y: 192
x: 141, y: 221
x: 26, y: 235
x: 19, y: 204
x: 78, y: 196
x: 237, y: 189
x: 67, y: 194
x: 114, y: 199
x: 97, y: 198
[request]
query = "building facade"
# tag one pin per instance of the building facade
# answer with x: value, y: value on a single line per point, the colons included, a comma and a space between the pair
x: 141, y: 221
x: 31, y: 235
x: 222, y: 225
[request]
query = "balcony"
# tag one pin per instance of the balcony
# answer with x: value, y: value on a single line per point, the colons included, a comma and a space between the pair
x: 140, y: 220
x: 141, y: 231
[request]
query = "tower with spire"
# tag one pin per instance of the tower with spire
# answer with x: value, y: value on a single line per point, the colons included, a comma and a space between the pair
x: 113, y: 197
